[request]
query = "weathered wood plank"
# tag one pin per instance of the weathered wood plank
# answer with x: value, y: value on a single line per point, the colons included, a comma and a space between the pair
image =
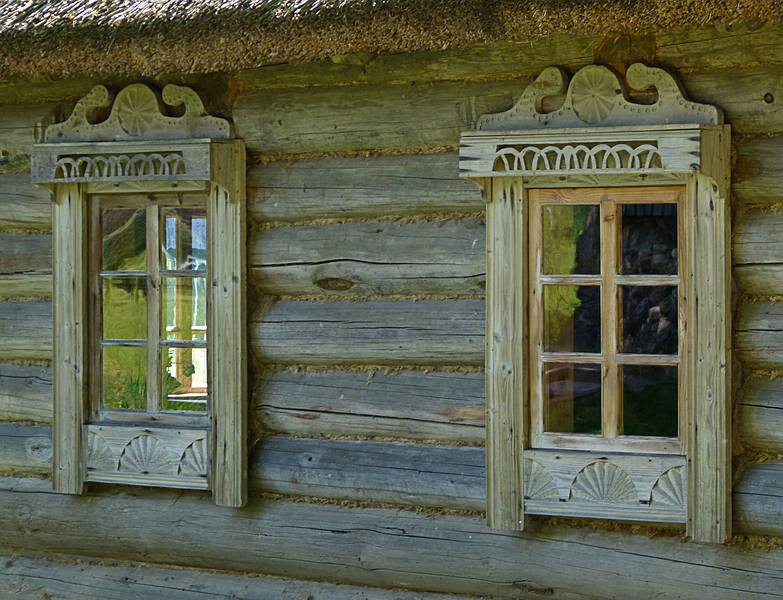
x: 20, y: 127
x: 759, y: 415
x: 23, y: 207
x: 373, y: 258
x: 25, y: 448
x: 25, y: 265
x: 758, y: 500
x: 758, y: 334
x: 758, y: 252
x: 347, y: 118
x: 428, y: 332
x: 396, y: 117
x: 43, y: 579
x: 335, y: 187
x: 25, y: 393
x: 407, y: 404
x: 757, y: 177
x: 25, y: 331
x: 412, y: 474
x: 379, y: 547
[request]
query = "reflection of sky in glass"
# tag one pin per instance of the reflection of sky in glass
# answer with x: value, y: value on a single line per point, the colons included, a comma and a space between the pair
x: 192, y: 256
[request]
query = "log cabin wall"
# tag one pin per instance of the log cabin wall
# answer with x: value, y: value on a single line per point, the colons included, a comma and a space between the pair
x: 366, y: 257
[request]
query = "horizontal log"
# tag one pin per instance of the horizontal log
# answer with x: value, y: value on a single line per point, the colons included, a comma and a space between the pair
x: 25, y: 331
x: 338, y: 187
x: 758, y: 500
x: 25, y: 448
x: 406, y: 404
x: 25, y: 265
x: 758, y: 334
x: 428, y: 332
x: 347, y: 118
x: 415, y: 475
x: 379, y: 547
x: 373, y: 258
x: 395, y: 117
x: 759, y: 416
x: 21, y: 126
x: 713, y: 47
x: 23, y: 207
x: 757, y: 176
x: 25, y: 393
x: 43, y: 579
x: 758, y: 252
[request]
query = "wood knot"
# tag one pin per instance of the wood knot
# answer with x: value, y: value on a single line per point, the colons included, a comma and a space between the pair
x: 334, y: 284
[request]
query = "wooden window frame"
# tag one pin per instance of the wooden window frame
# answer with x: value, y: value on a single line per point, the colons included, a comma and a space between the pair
x: 599, y: 138
x: 140, y: 151
x: 609, y: 281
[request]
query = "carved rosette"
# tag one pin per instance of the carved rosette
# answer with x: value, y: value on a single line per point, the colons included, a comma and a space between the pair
x: 604, y: 481
x: 539, y: 484
x: 669, y: 490
x: 193, y: 462
x: 145, y: 454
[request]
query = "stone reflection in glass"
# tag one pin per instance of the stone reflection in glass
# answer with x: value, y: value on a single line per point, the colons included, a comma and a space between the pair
x: 650, y: 400
x: 572, y: 397
x: 572, y: 318
x: 649, y: 239
x: 649, y: 324
x: 571, y: 239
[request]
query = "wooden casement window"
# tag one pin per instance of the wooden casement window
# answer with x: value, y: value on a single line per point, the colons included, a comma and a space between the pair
x: 608, y: 303
x: 149, y: 294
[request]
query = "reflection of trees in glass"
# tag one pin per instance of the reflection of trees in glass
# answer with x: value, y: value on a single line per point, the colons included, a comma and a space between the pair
x: 124, y: 234
x: 649, y: 320
x: 649, y: 235
x: 572, y: 246
x: 650, y: 401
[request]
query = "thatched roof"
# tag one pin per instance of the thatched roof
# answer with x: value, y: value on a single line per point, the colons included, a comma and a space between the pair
x: 83, y: 37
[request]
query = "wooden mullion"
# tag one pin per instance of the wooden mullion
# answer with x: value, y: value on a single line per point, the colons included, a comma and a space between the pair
x: 95, y: 335
x: 611, y: 394
x: 535, y: 317
x: 649, y: 360
x: 153, y: 309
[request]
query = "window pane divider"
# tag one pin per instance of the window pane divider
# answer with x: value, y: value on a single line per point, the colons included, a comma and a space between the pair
x: 123, y: 273
x: 572, y: 357
x: 664, y: 360
x: 182, y: 273
x: 570, y: 279
x: 183, y: 344
x: 647, y: 280
x: 153, y: 310
x: 611, y: 408
x: 140, y: 343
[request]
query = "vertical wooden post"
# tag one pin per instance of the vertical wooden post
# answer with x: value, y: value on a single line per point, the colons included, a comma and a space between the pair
x: 709, y: 358
x: 227, y: 328
x: 70, y: 320
x: 505, y: 339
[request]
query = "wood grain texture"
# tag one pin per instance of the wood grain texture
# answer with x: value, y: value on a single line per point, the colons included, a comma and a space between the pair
x: 759, y: 415
x: 26, y: 449
x: 372, y: 258
x: 758, y: 252
x: 44, y: 579
x: 25, y: 393
x: 758, y: 335
x: 22, y: 126
x: 409, y: 474
x: 25, y: 331
x: 341, y: 187
x: 428, y: 332
x: 379, y: 547
x: 758, y: 500
x: 25, y: 266
x: 22, y: 206
x: 756, y: 177
x: 406, y: 404
x: 321, y: 120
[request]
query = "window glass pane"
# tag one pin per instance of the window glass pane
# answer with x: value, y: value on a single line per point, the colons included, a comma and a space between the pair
x: 184, y: 308
x: 571, y: 239
x: 649, y: 233
x: 649, y: 324
x: 124, y: 233
x: 184, y: 239
x: 184, y: 384
x: 650, y: 400
x: 572, y: 318
x: 124, y: 379
x: 124, y: 308
x: 572, y: 398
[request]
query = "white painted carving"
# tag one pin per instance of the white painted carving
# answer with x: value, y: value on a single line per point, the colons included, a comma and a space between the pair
x: 145, y: 454
x: 604, y: 481
x: 121, y: 166
x: 194, y: 459
x: 580, y: 157
x: 670, y: 488
x: 99, y: 454
x: 539, y: 484
x: 138, y: 114
x: 597, y: 96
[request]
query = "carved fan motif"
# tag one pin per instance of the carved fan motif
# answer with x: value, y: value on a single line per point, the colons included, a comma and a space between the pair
x: 594, y: 92
x: 194, y: 459
x: 136, y: 107
x: 669, y: 490
x: 98, y: 453
x: 538, y: 482
x: 604, y: 482
x: 145, y: 454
